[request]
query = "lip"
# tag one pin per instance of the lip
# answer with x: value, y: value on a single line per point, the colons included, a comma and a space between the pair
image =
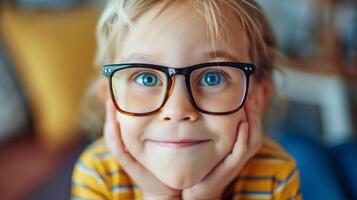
x: 179, y: 143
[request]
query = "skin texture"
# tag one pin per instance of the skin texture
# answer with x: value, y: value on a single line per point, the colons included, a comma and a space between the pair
x: 179, y: 37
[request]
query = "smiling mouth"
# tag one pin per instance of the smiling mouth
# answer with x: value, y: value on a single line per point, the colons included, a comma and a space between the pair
x: 179, y: 143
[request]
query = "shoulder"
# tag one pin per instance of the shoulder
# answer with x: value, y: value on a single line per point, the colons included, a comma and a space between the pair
x: 96, y: 153
x: 97, y: 157
x: 270, y: 173
x: 96, y: 171
x: 272, y: 160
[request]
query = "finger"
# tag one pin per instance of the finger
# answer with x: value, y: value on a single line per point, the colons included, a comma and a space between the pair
x: 109, y: 111
x: 255, y: 126
x: 240, y: 147
x: 113, y: 137
x: 117, y: 147
x: 111, y: 126
x: 232, y: 164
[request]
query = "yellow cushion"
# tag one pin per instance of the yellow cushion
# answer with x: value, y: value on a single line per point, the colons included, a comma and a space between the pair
x: 53, y: 52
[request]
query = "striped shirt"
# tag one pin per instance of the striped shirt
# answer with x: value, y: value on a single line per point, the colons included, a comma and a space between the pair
x: 270, y: 174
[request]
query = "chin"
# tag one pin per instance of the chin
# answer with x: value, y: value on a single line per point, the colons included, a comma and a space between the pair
x: 180, y: 176
x: 179, y: 181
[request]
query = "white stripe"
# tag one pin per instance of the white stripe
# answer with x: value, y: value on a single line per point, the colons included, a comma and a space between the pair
x: 121, y: 189
x: 90, y: 172
x: 103, y: 156
x: 285, y: 182
x: 117, y: 189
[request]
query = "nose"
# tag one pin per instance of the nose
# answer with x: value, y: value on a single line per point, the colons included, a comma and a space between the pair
x: 178, y: 107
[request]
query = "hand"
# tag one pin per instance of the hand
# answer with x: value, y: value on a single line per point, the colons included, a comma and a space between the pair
x: 151, y: 187
x: 248, y: 142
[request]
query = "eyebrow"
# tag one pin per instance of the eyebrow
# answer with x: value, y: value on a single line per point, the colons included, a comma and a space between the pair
x: 220, y: 54
x: 138, y: 56
x: 209, y: 54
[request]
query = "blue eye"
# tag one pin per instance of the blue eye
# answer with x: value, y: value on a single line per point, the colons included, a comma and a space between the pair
x: 147, y: 79
x: 212, y: 78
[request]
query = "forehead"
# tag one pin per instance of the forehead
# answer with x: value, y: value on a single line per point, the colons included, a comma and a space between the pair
x: 179, y: 29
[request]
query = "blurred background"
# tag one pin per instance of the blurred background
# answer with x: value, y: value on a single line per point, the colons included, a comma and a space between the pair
x: 46, y: 66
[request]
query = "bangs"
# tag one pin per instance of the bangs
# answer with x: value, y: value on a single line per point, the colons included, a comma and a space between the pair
x: 119, y: 16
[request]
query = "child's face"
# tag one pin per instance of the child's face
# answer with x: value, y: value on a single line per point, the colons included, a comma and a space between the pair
x: 178, y: 38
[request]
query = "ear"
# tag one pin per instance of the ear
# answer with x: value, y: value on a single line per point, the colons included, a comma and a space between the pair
x: 262, y: 92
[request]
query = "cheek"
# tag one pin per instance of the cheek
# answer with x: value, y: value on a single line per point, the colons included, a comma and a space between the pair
x: 132, y: 130
x: 224, y: 130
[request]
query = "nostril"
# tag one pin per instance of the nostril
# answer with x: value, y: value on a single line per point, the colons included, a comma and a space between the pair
x: 183, y: 119
x: 186, y: 119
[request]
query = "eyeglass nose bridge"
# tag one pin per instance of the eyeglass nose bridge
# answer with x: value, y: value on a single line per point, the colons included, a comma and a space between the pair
x: 176, y: 71
x: 172, y: 72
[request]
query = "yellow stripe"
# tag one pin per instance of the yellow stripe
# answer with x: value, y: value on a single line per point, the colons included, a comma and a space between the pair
x: 266, y: 175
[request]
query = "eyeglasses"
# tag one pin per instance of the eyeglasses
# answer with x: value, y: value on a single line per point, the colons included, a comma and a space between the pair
x: 215, y: 88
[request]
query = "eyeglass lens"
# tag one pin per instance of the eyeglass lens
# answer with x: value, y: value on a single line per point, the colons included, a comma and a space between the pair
x: 214, y: 89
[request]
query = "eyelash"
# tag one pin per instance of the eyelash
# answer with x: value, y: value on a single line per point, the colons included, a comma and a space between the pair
x: 223, y: 73
x: 137, y: 75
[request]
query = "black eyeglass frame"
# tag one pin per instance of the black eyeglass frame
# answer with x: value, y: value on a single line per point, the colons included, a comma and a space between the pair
x: 109, y: 70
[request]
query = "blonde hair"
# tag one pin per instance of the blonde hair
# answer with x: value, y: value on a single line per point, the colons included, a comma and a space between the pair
x: 118, y: 16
